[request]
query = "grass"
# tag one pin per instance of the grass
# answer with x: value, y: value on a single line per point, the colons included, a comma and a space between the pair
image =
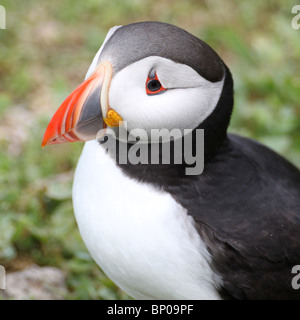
x: 44, y: 54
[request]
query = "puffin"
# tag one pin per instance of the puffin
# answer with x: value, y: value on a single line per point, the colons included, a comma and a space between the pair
x: 229, y: 230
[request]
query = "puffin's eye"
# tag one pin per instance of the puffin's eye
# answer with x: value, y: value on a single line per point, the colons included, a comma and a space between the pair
x: 153, y: 85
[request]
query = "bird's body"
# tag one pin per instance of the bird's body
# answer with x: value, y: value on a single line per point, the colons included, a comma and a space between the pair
x: 156, y: 231
x: 142, y: 238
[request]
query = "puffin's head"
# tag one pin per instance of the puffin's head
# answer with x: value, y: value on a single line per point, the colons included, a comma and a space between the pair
x: 153, y: 76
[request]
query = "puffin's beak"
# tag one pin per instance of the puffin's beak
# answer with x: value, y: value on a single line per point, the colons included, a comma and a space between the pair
x: 85, y: 111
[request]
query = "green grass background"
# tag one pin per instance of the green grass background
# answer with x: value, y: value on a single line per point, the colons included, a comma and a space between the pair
x: 44, y: 54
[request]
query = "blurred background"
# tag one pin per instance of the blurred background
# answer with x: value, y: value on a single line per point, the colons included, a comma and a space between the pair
x: 45, y: 52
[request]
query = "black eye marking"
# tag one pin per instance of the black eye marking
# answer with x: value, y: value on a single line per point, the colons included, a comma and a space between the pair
x: 153, y: 85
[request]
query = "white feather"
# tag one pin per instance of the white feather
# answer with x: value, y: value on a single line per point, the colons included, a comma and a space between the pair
x: 139, y: 235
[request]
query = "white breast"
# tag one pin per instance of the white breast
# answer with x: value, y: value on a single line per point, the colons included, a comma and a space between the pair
x: 139, y: 235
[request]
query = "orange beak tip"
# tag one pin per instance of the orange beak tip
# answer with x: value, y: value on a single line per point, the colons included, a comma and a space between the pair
x: 46, y: 140
x: 44, y: 143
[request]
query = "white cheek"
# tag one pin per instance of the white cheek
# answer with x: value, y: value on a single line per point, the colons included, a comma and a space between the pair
x: 175, y: 108
x: 185, y: 108
x: 130, y: 102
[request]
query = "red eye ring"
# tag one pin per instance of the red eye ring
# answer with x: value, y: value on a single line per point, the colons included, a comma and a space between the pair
x: 153, y: 85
